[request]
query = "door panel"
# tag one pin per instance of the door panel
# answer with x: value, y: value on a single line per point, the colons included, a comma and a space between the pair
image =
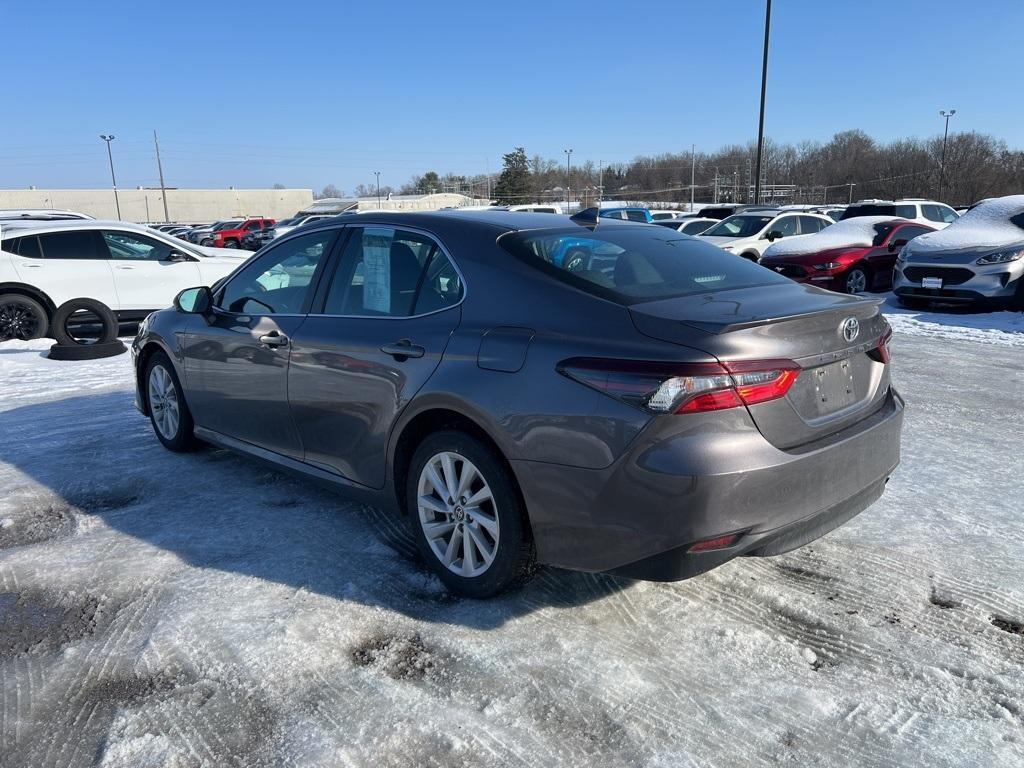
x: 345, y: 393
x: 383, y: 324
x: 237, y: 384
x: 236, y: 360
x: 144, y: 277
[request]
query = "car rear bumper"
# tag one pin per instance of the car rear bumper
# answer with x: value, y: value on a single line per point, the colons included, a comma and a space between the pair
x: 640, y: 516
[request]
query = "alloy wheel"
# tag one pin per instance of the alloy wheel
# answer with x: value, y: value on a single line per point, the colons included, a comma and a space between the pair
x: 163, y: 402
x: 458, y: 514
x: 17, y: 321
x: 856, y: 281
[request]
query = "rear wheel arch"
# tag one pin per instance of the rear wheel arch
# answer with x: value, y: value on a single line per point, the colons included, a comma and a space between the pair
x: 437, y: 419
x: 33, y: 293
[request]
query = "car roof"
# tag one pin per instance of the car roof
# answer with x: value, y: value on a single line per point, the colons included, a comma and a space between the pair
x: 25, y: 227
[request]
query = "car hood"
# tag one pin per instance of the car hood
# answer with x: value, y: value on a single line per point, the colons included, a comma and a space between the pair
x: 720, y: 240
x: 223, y: 254
x: 955, y: 255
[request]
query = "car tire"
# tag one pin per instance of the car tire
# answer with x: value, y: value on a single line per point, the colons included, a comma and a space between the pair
x: 87, y: 351
x: 207, y: 243
x: 752, y: 256
x: 103, y: 314
x: 460, y: 558
x: 165, y: 401
x: 856, y: 280
x: 230, y: 243
x: 22, y: 318
x: 576, y: 259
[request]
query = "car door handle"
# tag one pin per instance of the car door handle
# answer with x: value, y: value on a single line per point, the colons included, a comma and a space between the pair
x: 274, y: 339
x: 30, y: 265
x: 124, y: 266
x: 403, y: 349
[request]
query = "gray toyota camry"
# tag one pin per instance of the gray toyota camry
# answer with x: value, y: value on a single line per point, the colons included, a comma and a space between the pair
x: 527, y: 388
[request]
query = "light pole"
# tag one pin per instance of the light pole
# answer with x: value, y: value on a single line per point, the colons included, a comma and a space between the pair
x: 693, y: 171
x: 764, y: 83
x: 377, y: 174
x: 110, y: 157
x: 568, y: 175
x: 945, y: 135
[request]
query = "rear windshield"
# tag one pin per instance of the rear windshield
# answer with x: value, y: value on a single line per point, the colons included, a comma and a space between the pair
x: 629, y: 265
x: 871, y: 209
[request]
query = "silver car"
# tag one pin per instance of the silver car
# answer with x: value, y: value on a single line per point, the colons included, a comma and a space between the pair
x: 978, y: 259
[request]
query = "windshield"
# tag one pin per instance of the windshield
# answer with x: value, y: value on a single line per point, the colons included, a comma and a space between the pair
x: 631, y: 265
x: 739, y: 226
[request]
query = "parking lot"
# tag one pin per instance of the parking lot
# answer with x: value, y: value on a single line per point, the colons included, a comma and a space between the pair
x: 160, y: 609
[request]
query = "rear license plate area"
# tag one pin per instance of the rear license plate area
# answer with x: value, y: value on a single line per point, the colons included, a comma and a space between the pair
x: 834, y: 387
x: 931, y: 282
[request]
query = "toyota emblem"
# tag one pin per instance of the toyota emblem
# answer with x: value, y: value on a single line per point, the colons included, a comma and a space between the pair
x: 850, y: 328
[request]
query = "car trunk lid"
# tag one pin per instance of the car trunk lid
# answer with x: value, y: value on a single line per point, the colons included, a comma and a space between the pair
x: 841, y: 379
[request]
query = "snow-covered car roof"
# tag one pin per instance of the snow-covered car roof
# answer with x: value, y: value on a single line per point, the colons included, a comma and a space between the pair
x: 859, y: 232
x: 991, y: 223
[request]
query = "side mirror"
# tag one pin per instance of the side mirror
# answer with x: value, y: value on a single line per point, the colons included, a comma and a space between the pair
x: 895, y: 245
x: 774, y: 235
x: 194, y: 301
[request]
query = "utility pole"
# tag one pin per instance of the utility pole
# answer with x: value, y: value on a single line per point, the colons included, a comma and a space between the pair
x: 764, y: 84
x: 850, y: 199
x: 568, y: 177
x: 600, y: 182
x: 716, y: 183
x: 945, y: 135
x: 693, y: 171
x: 109, y: 138
x: 160, y: 168
x: 377, y: 173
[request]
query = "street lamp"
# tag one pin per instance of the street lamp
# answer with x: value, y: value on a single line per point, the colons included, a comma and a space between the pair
x: 568, y: 175
x: 377, y: 174
x: 945, y: 135
x: 764, y: 83
x: 110, y: 157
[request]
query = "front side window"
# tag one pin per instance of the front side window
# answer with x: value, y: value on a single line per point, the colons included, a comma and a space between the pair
x: 939, y: 213
x: 784, y: 226
x: 388, y: 272
x: 129, y: 247
x: 635, y: 264
x: 739, y: 226
x: 279, y: 281
x: 72, y: 245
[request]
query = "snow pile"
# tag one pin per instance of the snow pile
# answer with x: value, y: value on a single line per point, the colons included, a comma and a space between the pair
x: 987, y: 225
x: 858, y: 232
x: 1005, y: 329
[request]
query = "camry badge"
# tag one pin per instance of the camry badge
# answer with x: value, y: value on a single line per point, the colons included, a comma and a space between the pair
x: 850, y: 328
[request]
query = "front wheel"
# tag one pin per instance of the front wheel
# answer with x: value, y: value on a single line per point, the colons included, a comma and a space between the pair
x: 856, y: 281
x: 467, y: 517
x: 231, y: 244
x: 168, y: 412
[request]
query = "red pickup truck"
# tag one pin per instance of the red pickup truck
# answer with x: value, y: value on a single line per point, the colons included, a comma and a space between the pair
x: 232, y: 238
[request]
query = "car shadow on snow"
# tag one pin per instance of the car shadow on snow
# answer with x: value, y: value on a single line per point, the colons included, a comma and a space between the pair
x: 215, y: 509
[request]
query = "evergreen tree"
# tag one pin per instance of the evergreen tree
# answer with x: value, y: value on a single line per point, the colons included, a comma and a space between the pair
x: 513, y: 185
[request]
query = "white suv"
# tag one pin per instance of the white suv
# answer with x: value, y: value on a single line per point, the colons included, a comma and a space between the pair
x: 130, y: 268
x: 936, y: 215
x: 749, y: 233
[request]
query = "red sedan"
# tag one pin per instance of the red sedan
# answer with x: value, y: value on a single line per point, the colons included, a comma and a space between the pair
x: 850, y: 256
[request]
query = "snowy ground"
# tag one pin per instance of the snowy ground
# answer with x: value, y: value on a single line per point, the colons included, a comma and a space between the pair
x: 167, y: 610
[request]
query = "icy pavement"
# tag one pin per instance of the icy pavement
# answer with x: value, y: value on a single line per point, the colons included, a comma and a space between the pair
x: 167, y: 610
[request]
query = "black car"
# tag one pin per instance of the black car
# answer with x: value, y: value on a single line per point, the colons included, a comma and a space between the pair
x: 253, y: 241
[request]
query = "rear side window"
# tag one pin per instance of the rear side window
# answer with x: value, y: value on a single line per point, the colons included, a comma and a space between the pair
x: 873, y: 209
x: 629, y: 266
x: 634, y: 215
x: 72, y: 245
x: 810, y: 224
x: 910, y: 211
x: 24, y: 246
x: 695, y: 227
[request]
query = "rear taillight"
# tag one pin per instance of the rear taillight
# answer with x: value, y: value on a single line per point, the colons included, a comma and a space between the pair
x: 881, y: 352
x: 684, y: 387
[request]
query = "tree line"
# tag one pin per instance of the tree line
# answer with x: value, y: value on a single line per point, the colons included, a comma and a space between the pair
x: 851, y: 165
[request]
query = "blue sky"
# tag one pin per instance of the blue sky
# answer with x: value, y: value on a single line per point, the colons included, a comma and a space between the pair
x: 306, y: 94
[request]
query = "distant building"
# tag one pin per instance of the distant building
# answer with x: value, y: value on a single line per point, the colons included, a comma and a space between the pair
x: 433, y: 202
